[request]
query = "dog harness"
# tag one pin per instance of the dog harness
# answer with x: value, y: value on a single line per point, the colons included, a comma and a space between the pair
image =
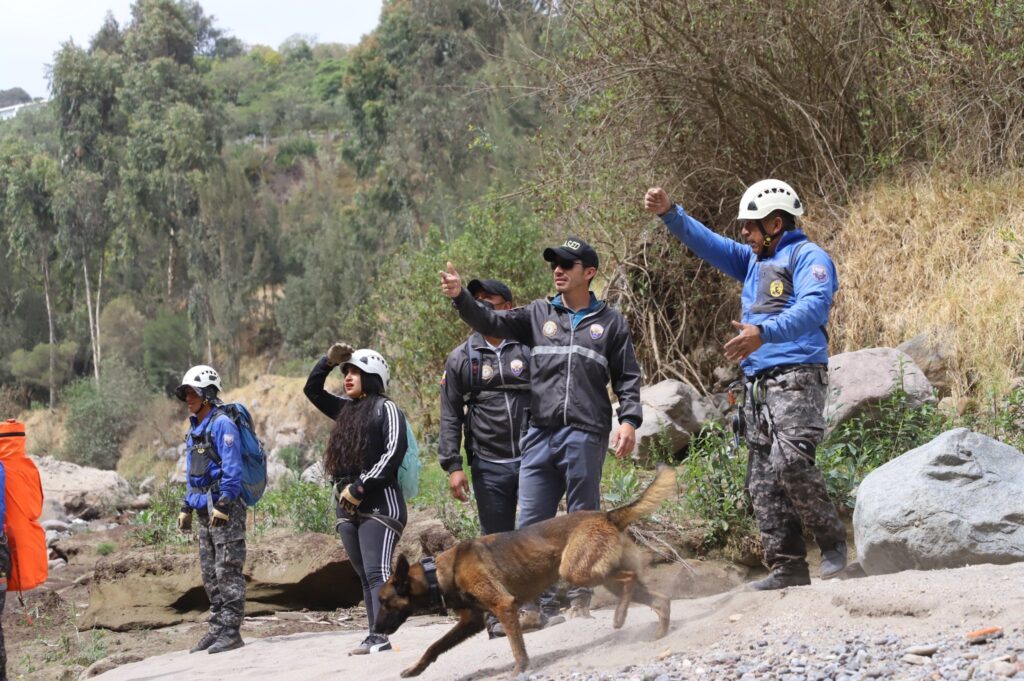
x: 436, y: 595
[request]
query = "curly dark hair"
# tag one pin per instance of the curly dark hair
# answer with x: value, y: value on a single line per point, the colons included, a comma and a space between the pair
x: 347, y: 443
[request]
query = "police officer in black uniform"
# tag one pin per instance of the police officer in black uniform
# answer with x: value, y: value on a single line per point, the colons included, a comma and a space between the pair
x: 485, y: 391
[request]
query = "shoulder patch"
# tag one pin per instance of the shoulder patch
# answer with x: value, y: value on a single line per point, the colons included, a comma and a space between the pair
x: 819, y: 273
x: 550, y: 328
x: 229, y: 439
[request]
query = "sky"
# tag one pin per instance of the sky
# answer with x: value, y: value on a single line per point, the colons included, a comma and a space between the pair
x: 31, y: 31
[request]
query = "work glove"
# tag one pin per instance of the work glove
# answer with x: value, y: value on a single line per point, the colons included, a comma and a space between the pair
x: 220, y: 516
x: 339, y: 353
x: 185, y: 519
x: 351, y: 497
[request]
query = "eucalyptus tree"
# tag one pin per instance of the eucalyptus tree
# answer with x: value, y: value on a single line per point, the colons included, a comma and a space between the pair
x: 28, y: 181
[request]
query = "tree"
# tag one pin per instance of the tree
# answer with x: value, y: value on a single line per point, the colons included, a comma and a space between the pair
x: 14, y: 95
x: 27, y: 185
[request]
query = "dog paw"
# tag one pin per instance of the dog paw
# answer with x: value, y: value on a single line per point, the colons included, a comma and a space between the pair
x: 411, y: 671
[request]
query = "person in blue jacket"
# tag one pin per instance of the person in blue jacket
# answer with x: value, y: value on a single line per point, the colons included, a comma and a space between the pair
x: 782, y: 347
x: 214, y: 465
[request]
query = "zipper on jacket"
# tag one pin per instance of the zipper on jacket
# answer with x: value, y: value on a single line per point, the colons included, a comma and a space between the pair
x: 508, y: 406
x: 568, y: 377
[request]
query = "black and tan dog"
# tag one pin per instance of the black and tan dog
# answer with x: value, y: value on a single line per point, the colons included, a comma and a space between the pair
x: 501, y: 572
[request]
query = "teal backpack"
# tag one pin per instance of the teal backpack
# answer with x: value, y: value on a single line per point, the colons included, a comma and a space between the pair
x: 409, y: 471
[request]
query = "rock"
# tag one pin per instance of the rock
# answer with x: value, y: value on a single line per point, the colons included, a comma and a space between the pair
x: 52, y: 537
x: 672, y: 412
x: 56, y: 525
x: 171, y: 453
x: 179, y: 476
x: 1000, y: 668
x: 141, y: 502
x: 80, y: 490
x: 153, y: 587
x: 921, y: 511
x: 859, y: 380
x: 932, y: 355
x: 314, y: 473
x: 278, y: 474
x: 423, y: 536
x: 922, y: 651
x: 58, y: 564
x: 107, y: 663
x: 148, y: 485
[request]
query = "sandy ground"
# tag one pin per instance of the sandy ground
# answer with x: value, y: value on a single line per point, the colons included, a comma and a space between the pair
x: 916, y: 607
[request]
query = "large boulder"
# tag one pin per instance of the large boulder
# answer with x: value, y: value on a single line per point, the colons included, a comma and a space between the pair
x: 82, y: 491
x: 154, y: 587
x: 860, y: 380
x: 930, y: 352
x: 955, y: 501
x: 673, y: 412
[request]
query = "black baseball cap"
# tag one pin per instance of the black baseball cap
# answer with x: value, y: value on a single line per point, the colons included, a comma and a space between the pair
x: 574, y: 248
x: 492, y: 286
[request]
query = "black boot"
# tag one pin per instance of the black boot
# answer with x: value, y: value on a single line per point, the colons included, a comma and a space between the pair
x: 783, y: 577
x: 208, y: 639
x: 833, y: 561
x: 228, y: 640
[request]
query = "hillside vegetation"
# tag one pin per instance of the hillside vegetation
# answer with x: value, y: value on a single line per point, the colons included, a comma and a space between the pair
x: 186, y: 197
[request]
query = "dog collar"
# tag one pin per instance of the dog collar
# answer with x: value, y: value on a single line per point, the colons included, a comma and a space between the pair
x: 436, y: 595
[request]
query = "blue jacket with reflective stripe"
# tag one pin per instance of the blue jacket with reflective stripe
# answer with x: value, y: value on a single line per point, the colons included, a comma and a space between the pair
x: 789, y: 298
x: 227, y: 443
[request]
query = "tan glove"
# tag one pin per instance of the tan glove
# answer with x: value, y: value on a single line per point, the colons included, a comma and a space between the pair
x: 339, y: 353
x: 185, y: 520
x: 219, y: 516
x: 351, y: 497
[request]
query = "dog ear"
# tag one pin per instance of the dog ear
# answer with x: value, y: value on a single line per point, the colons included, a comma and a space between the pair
x: 401, y: 576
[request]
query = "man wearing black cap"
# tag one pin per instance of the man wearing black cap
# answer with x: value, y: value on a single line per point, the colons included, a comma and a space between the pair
x: 578, y: 343
x: 485, y: 391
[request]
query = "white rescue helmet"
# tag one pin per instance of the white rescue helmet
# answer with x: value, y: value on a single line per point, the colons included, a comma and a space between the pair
x: 199, y: 377
x: 766, y: 196
x: 370, y: 362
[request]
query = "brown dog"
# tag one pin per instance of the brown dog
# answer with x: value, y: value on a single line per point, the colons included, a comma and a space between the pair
x: 501, y: 572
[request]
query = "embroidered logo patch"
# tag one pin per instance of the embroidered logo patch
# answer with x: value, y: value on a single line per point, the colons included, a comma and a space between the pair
x: 487, y: 372
x: 229, y: 440
x: 596, y: 331
x: 776, y: 289
x: 517, y: 367
x: 819, y: 273
x: 549, y: 329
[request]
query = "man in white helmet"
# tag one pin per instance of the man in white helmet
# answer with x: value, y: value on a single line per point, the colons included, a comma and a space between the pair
x: 782, y: 347
x: 214, y: 466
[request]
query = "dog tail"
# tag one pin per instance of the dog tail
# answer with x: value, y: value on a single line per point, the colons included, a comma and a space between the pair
x: 663, y: 486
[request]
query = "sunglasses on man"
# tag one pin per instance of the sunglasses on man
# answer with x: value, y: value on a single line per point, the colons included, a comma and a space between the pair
x: 566, y: 265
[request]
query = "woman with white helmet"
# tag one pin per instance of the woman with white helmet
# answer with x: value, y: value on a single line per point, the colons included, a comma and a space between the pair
x: 364, y: 452
x: 782, y: 347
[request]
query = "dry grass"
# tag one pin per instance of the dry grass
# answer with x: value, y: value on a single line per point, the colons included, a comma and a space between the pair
x: 933, y: 251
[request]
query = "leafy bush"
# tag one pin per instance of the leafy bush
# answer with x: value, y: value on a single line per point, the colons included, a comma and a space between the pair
x: 165, y: 350
x: 289, y: 151
x: 105, y: 548
x: 101, y: 416
x: 864, y: 443
x: 32, y: 367
x: 123, y: 325
x: 300, y: 506
x: 158, y: 524
x: 459, y: 518
x: 714, y: 477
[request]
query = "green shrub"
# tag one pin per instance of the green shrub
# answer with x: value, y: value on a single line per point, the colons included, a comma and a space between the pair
x: 100, y: 417
x: 714, y: 477
x: 158, y: 524
x: 459, y: 518
x: 289, y: 151
x: 864, y: 443
x: 165, y: 350
x: 105, y: 548
x: 300, y: 506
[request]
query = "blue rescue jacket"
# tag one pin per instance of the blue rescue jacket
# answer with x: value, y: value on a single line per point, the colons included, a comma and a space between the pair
x: 788, y: 297
x: 223, y: 480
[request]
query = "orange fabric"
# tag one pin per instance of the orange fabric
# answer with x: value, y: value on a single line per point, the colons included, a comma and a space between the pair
x: 24, y: 497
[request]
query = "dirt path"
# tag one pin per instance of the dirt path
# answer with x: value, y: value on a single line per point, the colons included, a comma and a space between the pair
x: 861, y: 627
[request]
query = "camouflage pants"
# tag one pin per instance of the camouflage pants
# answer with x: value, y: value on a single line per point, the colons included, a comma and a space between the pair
x: 784, y: 425
x: 221, y: 558
x: 5, y: 569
